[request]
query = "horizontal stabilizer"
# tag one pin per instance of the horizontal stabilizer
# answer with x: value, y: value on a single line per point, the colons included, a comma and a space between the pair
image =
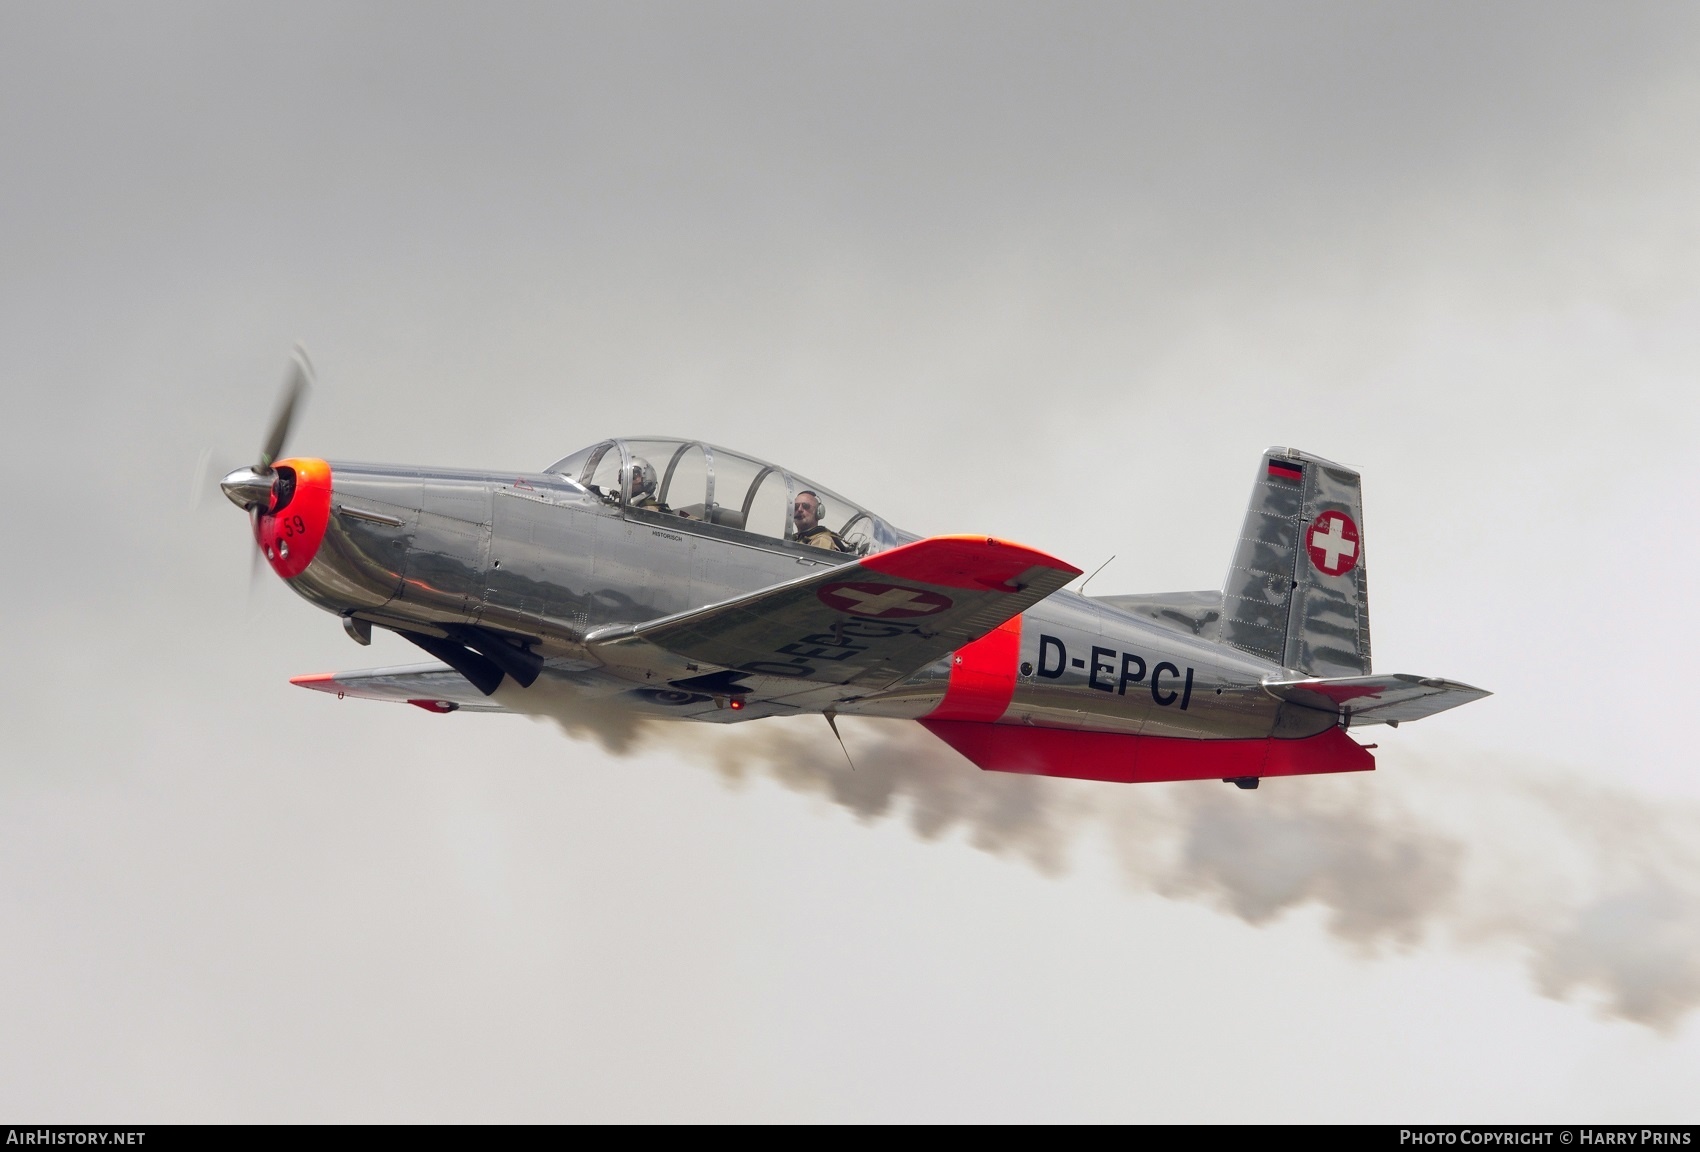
x: 1376, y: 699
x: 871, y: 622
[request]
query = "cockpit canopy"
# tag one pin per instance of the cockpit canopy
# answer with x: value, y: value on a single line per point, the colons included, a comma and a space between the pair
x: 693, y: 481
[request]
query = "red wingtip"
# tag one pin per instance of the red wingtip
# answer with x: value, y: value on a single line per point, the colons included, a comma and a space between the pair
x: 964, y: 562
x: 318, y: 681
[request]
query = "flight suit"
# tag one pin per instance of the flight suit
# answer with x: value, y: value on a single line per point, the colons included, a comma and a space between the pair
x: 820, y: 536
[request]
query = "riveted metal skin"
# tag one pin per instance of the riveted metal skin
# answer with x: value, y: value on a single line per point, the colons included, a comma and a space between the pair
x: 680, y: 610
x: 534, y: 555
x: 1278, y: 603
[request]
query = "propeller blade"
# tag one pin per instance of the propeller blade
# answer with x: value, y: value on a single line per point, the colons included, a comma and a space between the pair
x: 199, y: 484
x: 253, y: 555
x: 294, y: 389
x: 250, y: 488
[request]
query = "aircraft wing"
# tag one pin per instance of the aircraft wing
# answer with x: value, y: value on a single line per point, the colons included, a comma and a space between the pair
x: 1376, y: 699
x: 433, y: 687
x: 871, y: 622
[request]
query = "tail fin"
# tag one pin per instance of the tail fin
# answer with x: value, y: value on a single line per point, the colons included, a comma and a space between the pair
x: 1298, y: 591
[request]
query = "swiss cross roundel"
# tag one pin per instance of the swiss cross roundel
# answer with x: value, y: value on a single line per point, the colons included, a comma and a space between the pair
x: 881, y: 601
x: 1332, y: 541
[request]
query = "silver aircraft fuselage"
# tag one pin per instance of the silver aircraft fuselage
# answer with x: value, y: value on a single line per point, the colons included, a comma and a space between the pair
x: 535, y: 569
x: 538, y: 557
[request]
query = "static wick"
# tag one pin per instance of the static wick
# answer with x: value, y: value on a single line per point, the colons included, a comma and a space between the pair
x: 1095, y: 571
x: 832, y: 722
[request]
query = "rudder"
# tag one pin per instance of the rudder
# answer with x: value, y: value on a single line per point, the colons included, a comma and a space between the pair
x: 1297, y: 592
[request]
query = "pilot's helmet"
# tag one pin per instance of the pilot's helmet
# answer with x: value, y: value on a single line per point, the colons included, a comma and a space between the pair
x: 642, y: 478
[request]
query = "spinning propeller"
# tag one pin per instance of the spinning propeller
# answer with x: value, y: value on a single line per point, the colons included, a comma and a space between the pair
x: 253, y: 488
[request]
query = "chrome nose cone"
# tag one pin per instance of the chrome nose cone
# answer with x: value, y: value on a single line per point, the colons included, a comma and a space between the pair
x: 247, y: 488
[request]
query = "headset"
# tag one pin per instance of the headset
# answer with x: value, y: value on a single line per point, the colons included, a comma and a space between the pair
x: 820, y: 505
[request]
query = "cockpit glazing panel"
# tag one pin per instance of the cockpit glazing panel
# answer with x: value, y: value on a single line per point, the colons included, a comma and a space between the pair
x: 691, y: 480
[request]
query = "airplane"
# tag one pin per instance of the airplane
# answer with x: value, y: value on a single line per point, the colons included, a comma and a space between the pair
x: 676, y: 579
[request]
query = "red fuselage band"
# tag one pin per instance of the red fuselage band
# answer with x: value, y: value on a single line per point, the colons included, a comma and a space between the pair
x: 982, y: 676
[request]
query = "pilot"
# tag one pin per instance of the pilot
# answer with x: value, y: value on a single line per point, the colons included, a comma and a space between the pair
x: 643, y: 486
x: 806, y: 513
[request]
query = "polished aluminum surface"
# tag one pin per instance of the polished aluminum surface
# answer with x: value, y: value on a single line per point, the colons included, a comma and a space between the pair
x: 648, y: 574
x: 1278, y: 603
x: 247, y: 488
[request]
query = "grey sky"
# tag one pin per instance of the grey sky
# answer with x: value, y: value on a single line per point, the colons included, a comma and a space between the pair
x: 1053, y: 271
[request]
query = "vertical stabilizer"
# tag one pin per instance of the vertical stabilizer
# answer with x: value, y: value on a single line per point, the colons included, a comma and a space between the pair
x: 1297, y: 592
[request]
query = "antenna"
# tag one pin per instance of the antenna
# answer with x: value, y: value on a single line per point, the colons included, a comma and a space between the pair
x: 831, y: 715
x: 1095, y: 571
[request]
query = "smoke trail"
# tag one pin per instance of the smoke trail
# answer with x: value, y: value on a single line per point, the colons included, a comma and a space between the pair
x: 1382, y: 877
x: 1597, y: 890
x: 900, y: 766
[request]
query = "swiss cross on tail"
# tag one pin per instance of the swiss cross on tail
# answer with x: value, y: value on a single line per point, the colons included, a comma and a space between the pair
x: 1332, y: 541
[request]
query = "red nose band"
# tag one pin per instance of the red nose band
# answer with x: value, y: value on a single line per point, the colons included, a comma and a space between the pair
x: 292, y: 527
